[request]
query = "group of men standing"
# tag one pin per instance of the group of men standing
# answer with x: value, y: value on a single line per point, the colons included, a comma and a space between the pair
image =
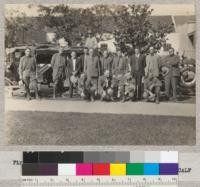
x: 117, y: 76
x: 108, y: 76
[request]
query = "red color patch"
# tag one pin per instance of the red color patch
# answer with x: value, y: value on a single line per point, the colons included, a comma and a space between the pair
x: 101, y: 169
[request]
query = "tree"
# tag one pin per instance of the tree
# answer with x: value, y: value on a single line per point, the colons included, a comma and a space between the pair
x: 61, y: 18
x: 130, y: 25
x: 15, y: 22
x: 103, y: 19
x: 134, y: 28
x: 73, y: 23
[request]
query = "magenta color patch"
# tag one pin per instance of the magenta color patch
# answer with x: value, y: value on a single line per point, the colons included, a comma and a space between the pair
x: 84, y: 169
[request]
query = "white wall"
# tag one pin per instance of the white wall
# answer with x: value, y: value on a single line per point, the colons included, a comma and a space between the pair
x: 181, y: 43
x: 110, y: 44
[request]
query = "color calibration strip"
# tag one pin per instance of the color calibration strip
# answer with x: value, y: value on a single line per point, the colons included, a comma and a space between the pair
x: 100, y: 163
x: 109, y: 169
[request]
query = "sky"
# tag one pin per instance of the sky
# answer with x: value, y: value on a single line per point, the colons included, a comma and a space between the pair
x: 159, y: 9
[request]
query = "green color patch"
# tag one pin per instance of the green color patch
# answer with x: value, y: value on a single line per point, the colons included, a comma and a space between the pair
x: 135, y: 169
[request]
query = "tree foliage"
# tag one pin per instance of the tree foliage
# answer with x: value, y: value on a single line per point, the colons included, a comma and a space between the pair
x: 130, y: 25
x: 15, y: 22
x: 134, y: 28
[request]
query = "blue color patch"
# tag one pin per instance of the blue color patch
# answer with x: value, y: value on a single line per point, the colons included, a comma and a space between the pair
x: 151, y: 169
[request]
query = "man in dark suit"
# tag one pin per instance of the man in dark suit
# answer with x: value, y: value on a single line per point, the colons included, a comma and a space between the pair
x: 73, y: 71
x: 138, y: 63
x: 171, y: 64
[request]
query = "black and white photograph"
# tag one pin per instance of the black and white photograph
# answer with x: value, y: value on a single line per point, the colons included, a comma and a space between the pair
x: 100, y: 74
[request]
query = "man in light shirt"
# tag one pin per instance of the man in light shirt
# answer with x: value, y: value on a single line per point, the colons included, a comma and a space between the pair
x: 152, y: 63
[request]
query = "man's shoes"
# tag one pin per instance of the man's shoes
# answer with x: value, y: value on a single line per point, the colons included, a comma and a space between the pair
x: 112, y: 99
x: 133, y: 99
x: 123, y: 100
x: 63, y: 96
x: 157, y: 101
x: 166, y: 98
x: 92, y: 99
x: 37, y: 96
x: 54, y: 97
x: 174, y: 99
x: 28, y: 97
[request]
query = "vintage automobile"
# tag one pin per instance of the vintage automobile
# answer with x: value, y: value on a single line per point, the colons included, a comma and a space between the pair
x: 188, y: 72
x: 187, y: 81
x: 43, y: 54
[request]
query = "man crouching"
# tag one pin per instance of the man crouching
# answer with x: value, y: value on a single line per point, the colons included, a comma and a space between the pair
x: 105, y: 87
x: 83, y: 89
x: 152, y: 89
x: 127, y: 87
x: 86, y: 88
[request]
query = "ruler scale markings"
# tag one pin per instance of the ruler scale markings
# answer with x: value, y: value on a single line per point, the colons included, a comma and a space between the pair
x: 105, y: 180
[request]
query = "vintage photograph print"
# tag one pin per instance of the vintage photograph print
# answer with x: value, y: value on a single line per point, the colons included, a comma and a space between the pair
x: 100, y: 74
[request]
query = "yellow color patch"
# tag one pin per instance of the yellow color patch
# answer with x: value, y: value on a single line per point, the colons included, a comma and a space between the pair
x: 117, y: 169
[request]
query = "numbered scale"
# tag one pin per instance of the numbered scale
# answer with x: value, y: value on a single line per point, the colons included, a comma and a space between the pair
x: 90, y: 181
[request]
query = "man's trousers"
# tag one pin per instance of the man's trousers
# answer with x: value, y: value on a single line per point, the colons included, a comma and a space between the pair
x: 27, y: 82
x: 138, y: 84
x: 171, y: 83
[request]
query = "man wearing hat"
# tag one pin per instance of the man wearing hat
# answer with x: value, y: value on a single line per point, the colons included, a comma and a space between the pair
x: 91, y: 41
x: 58, y: 64
x: 105, y: 87
x: 28, y: 74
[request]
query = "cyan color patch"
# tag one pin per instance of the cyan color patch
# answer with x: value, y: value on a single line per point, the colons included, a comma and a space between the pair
x: 151, y: 169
